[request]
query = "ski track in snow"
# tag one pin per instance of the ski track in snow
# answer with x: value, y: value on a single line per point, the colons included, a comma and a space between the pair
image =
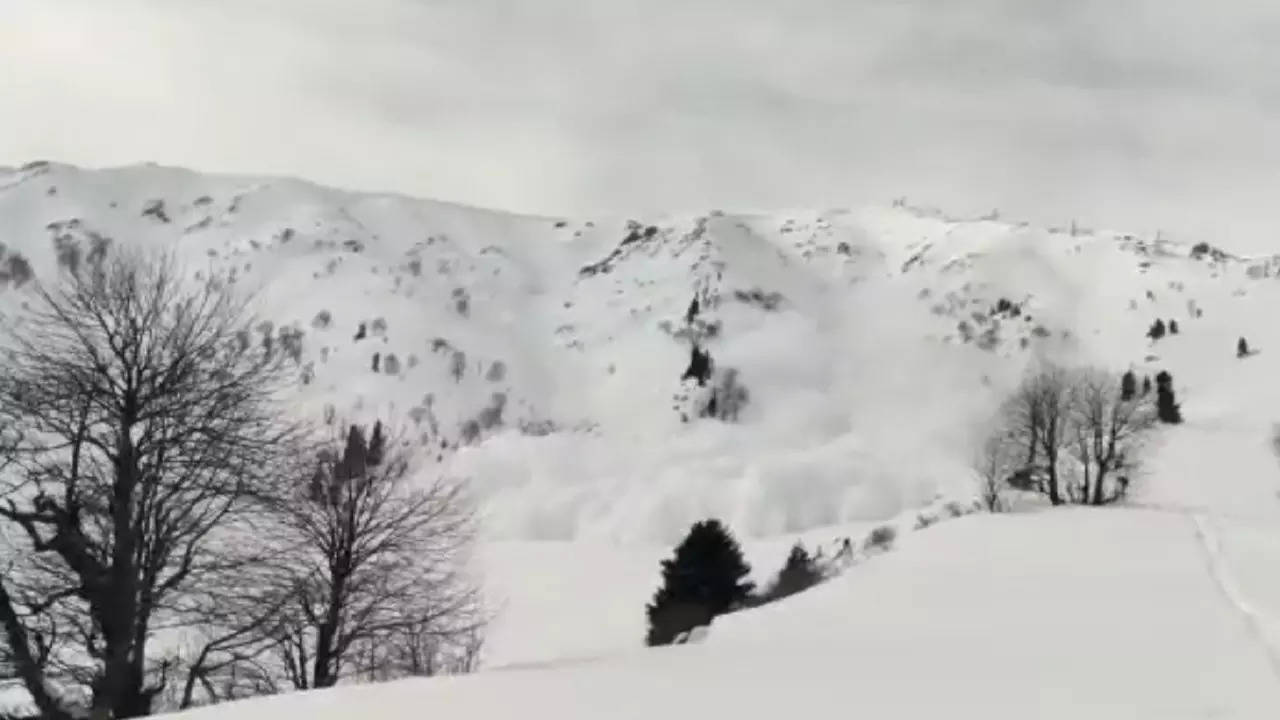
x: 1262, y: 625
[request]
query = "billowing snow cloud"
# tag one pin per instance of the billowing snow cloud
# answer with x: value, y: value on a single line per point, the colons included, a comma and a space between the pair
x: 1140, y: 113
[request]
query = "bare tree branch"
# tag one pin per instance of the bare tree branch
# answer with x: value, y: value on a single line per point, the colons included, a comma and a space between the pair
x: 138, y: 433
x: 376, y: 571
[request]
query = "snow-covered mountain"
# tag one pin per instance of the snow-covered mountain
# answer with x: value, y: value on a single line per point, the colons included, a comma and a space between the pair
x: 872, y: 344
x: 553, y: 349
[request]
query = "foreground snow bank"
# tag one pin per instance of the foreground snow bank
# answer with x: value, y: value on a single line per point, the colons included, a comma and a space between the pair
x: 1070, y: 614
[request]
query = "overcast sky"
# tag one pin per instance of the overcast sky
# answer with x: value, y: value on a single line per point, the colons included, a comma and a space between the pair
x: 1138, y: 114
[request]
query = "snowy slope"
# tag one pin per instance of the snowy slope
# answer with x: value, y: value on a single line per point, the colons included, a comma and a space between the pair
x: 868, y: 343
x: 964, y: 620
x: 567, y: 336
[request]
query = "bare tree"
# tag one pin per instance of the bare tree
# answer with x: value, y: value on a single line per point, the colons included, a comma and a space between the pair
x: 376, y: 581
x: 230, y: 657
x: 994, y: 462
x: 1038, y: 417
x: 1106, y: 431
x: 136, y: 434
x: 1085, y: 430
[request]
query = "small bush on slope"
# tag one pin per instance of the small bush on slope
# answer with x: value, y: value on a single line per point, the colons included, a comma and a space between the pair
x: 1157, y: 330
x: 800, y: 572
x: 882, y: 537
x: 703, y: 579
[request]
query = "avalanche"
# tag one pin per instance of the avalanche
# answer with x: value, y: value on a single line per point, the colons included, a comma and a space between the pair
x: 541, y: 359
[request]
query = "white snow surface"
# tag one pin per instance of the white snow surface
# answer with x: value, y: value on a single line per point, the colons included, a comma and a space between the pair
x: 865, y: 400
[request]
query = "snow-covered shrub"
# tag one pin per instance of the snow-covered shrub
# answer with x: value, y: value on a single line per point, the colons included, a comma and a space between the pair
x: 67, y: 251
x: 457, y: 365
x: 881, y: 537
x: 722, y: 397
x: 925, y: 519
x: 491, y: 416
x: 391, y: 365
x: 291, y: 343
x: 155, y: 209
x: 799, y: 573
x: 764, y: 300
x: 462, y: 302
x: 497, y: 372
x: 17, y: 270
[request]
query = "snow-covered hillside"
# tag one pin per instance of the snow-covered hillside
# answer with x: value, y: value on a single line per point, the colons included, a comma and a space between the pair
x: 547, y: 353
x: 560, y: 343
x: 1077, y: 614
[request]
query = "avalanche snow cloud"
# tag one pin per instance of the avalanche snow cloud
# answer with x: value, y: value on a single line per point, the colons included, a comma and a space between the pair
x: 873, y: 343
x: 542, y: 357
x: 1139, y: 113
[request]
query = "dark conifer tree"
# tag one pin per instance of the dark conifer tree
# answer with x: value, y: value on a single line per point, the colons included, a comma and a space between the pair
x: 1167, y: 408
x: 693, y: 310
x: 1146, y: 385
x: 355, y: 456
x: 1173, y: 327
x: 699, y: 366
x: 1242, y: 348
x: 1128, y: 386
x: 703, y: 579
x: 377, y: 445
x: 801, y: 572
x: 1157, y: 330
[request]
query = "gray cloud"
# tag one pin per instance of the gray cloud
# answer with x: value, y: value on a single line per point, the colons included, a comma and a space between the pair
x: 1132, y: 113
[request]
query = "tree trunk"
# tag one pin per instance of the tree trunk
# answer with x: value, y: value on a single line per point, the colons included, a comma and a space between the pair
x: 27, y: 666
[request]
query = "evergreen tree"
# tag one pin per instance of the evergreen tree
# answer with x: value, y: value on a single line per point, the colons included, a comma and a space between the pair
x: 699, y: 366
x: 801, y: 572
x: 1167, y: 408
x: 355, y: 456
x: 1157, y: 330
x: 1242, y: 348
x: 1146, y: 385
x: 693, y: 310
x: 1128, y: 386
x: 377, y: 445
x: 703, y: 579
x: 1173, y: 327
